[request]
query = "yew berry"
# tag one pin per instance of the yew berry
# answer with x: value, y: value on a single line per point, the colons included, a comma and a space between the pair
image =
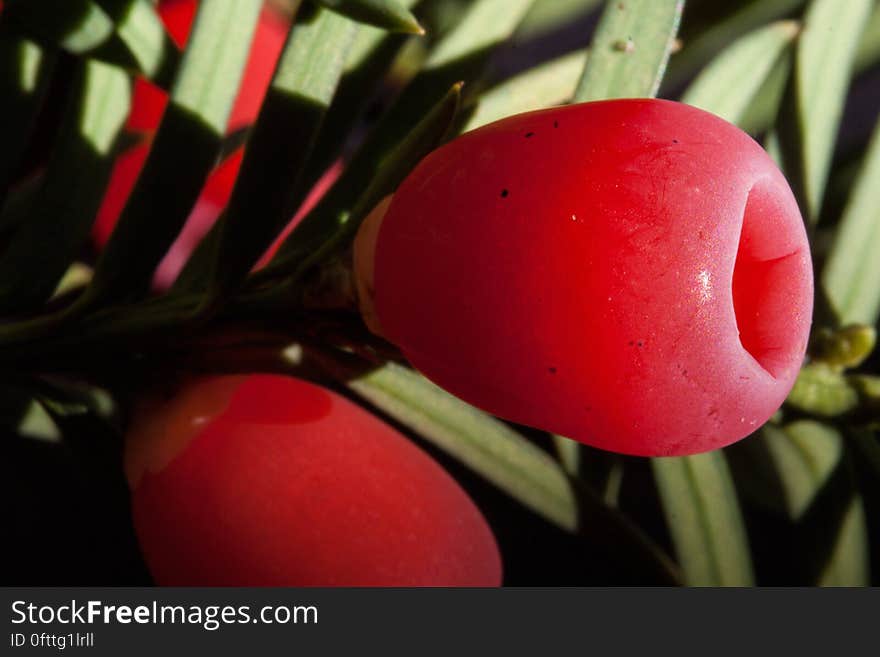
x: 269, y: 480
x: 633, y: 274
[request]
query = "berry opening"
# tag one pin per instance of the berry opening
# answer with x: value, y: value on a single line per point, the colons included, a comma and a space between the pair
x: 766, y: 277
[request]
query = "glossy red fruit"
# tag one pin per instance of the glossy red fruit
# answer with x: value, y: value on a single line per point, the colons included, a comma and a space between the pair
x: 633, y: 274
x: 269, y: 480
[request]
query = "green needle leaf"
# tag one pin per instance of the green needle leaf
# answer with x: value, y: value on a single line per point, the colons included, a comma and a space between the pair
x: 630, y: 49
x: 369, y: 59
x: 729, y: 84
x: 548, y: 17
x: 805, y: 454
x: 480, y: 441
x: 269, y: 186
x: 825, y: 53
x: 546, y: 85
x: 18, y: 204
x: 127, y: 33
x: 61, y: 216
x: 703, y: 46
x: 461, y: 55
x: 139, y: 28
x: 391, y: 15
x: 77, y: 26
x: 704, y: 518
x: 327, y: 238
x: 25, y: 71
x: 849, y: 562
x: 764, y: 108
x: 869, y: 45
x: 569, y: 453
x: 851, y: 276
x: 184, y: 150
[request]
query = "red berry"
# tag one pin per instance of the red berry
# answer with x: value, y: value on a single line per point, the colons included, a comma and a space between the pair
x: 633, y: 274
x: 268, y: 480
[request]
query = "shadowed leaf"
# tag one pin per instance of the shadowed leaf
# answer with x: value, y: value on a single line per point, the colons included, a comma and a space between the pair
x: 805, y: 454
x: 702, y: 47
x: 704, y: 518
x: 141, y: 30
x: 126, y: 33
x: 459, y: 56
x: 543, y: 86
x: 369, y: 58
x: 184, y: 150
x: 25, y: 71
x: 546, y: 17
x: 851, y: 276
x: 388, y: 14
x: 764, y: 108
x: 77, y: 26
x: 823, y: 64
x: 869, y: 45
x: 480, y: 441
x: 269, y: 186
x: 729, y: 84
x: 62, y: 213
x: 569, y: 453
x: 425, y: 136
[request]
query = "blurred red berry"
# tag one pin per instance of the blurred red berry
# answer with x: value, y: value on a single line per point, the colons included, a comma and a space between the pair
x: 265, y: 480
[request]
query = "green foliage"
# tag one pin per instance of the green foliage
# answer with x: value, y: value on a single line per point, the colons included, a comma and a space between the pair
x: 354, y: 83
x: 630, y: 49
x: 545, y: 85
x: 25, y: 70
x: 699, y: 500
x: 460, y: 55
x: 728, y: 85
x: 126, y: 33
x: 483, y: 443
x: 851, y: 277
x: 825, y: 54
x: 269, y: 185
x: 387, y: 14
x: 62, y: 213
x: 183, y: 152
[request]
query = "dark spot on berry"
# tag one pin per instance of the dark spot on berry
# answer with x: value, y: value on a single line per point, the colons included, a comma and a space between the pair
x: 675, y: 141
x: 504, y: 193
x: 556, y: 124
x: 552, y: 370
x: 530, y: 134
x: 639, y: 343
